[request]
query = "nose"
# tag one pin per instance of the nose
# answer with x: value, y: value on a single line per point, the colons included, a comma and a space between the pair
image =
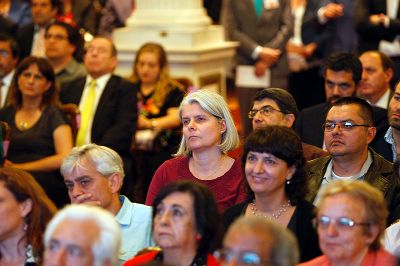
x: 331, y: 229
x: 336, y: 90
x: 57, y: 258
x: 75, y: 192
x: 259, y: 167
x: 191, y: 124
x: 164, y: 219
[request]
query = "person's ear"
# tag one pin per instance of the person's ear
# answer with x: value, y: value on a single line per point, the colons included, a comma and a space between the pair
x: 222, y: 126
x: 115, y: 182
x: 371, y: 134
x: 371, y: 234
x: 25, y: 207
x: 289, y: 120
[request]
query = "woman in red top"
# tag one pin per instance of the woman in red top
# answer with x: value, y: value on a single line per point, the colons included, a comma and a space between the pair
x: 185, y: 226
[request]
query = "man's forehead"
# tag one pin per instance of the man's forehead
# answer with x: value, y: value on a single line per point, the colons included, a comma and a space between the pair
x: 342, y: 75
x: 265, y: 101
x: 344, y: 112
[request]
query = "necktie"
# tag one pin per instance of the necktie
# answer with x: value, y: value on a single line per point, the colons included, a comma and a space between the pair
x: 86, y: 114
x: 258, y: 6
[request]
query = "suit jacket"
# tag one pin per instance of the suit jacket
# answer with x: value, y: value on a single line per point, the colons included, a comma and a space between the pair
x: 370, y: 35
x: 116, y: 114
x: 379, y: 175
x: 25, y: 39
x: 272, y: 29
x: 20, y: 12
x: 308, y: 126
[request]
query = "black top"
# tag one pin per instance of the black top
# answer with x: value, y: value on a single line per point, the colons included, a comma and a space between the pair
x: 300, y: 224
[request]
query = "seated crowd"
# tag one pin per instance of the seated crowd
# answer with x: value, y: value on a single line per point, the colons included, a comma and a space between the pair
x: 145, y: 172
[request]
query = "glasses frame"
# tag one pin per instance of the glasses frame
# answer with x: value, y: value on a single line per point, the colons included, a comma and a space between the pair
x: 339, y: 222
x: 224, y: 255
x: 265, y: 110
x: 342, y: 126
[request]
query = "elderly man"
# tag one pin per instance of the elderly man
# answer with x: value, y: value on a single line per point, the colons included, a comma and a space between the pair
x: 62, y: 43
x: 82, y: 235
x: 376, y: 76
x: 392, y: 136
x: 258, y: 241
x: 108, y: 104
x: 9, y: 56
x: 343, y: 73
x: 93, y: 175
x: 348, y: 129
x: 277, y: 107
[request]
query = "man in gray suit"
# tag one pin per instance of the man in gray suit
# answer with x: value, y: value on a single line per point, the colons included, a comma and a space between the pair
x: 262, y: 29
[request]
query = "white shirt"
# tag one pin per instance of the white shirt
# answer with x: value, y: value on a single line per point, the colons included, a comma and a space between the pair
x: 6, y: 87
x: 101, y: 83
x: 383, y: 101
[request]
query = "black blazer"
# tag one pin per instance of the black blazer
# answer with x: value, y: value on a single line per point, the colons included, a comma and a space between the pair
x: 308, y: 126
x: 115, y: 118
x: 25, y: 39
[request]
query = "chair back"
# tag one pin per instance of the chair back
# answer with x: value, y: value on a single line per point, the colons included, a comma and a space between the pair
x: 73, y: 115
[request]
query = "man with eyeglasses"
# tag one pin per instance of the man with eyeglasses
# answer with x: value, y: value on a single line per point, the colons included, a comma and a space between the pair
x: 9, y: 57
x: 63, y: 47
x: 350, y: 223
x: 277, y: 107
x: 343, y: 72
x: 348, y: 129
x: 257, y: 241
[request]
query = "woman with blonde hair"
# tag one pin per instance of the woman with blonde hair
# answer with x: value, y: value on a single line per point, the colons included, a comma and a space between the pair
x: 208, y: 134
x: 159, y: 97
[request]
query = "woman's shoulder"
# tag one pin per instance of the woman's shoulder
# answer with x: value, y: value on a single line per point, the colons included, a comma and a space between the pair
x: 141, y: 259
x: 236, y: 168
x: 318, y: 261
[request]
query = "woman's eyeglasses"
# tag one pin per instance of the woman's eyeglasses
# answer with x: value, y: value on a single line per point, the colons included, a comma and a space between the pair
x: 243, y: 258
x: 323, y: 222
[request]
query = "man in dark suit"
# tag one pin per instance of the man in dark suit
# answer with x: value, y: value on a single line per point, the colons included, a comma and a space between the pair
x: 9, y: 56
x: 342, y: 76
x: 113, y: 116
x: 31, y: 36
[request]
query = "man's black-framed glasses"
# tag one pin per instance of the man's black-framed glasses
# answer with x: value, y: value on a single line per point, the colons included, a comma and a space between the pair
x: 345, y: 125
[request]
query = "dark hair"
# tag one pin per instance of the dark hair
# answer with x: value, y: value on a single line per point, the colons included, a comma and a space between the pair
x: 366, y: 112
x: 16, y: 52
x: 345, y: 62
x: 74, y: 37
x: 283, y: 143
x: 50, y: 96
x: 23, y: 186
x: 205, y: 211
x: 283, y: 99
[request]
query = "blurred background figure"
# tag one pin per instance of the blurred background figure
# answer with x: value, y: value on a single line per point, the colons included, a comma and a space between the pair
x: 25, y: 211
x: 114, y: 15
x: 351, y: 219
x: 40, y: 135
x: 82, y: 235
x: 258, y: 241
x: 208, y: 134
x: 159, y: 96
x: 17, y: 12
x: 273, y: 163
x: 186, y: 226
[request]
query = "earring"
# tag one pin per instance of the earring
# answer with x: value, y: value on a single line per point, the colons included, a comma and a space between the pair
x: 25, y: 227
x: 288, y: 182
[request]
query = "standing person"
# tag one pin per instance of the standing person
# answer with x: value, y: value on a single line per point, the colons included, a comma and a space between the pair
x: 186, y: 226
x: 159, y: 96
x: 40, y: 136
x: 25, y: 211
x: 258, y: 47
x: 273, y: 163
x: 351, y: 219
x: 208, y: 134
x: 17, y: 11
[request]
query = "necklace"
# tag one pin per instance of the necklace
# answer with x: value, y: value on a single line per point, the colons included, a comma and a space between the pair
x: 23, y: 125
x: 205, y: 177
x: 275, y: 214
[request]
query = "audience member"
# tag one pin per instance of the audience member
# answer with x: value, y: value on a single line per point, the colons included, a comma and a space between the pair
x: 348, y: 129
x: 40, y: 136
x: 94, y: 175
x: 257, y: 241
x: 343, y: 72
x: 185, y: 226
x: 86, y: 14
x: 338, y: 18
x: 82, y: 235
x: 208, y: 134
x: 376, y: 76
x: 392, y: 136
x: 305, y: 50
x: 273, y: 164
x: 114, y: 15
x: 350, y: 223
x: 9, y: 56
x: 159, y: 96
x: 31, y: 36
x: 107, y: 103
x: 263, y: 49
x: 276, y: 107
x: 25, y: 212
x: 64, y: 48
x: 18, y: 11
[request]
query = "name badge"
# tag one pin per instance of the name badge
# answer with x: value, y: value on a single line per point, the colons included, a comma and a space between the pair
x: 271, y: 4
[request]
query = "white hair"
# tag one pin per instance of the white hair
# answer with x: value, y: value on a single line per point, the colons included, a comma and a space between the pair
x: 105, y: 160
x: 108, y: 244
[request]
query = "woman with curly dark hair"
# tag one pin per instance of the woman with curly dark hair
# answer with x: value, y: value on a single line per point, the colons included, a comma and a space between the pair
x: 273, y: 165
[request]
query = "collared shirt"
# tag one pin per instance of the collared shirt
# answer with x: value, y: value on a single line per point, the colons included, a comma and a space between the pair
x: 383, y: 101
x: 6, y: 87
x: 71, y: 71
x: 101, y: 83
x: 389, y: 139
x: 135, y: 221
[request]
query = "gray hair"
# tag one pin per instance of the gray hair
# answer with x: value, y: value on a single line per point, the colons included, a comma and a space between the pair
x: 106, y: 160
x: 284, y: 250
x: 107, y: 246
x: 214, y: 104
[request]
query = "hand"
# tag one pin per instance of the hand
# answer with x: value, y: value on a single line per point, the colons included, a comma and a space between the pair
x: 143, y: 122
x: 333, y: 11
x: 377, y: 19
x: 259, y: 68
x: 269, y: 56
x: 8, y: 163
x: 86, y: 198
x: 294, y: 48
x: 309, y: 49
